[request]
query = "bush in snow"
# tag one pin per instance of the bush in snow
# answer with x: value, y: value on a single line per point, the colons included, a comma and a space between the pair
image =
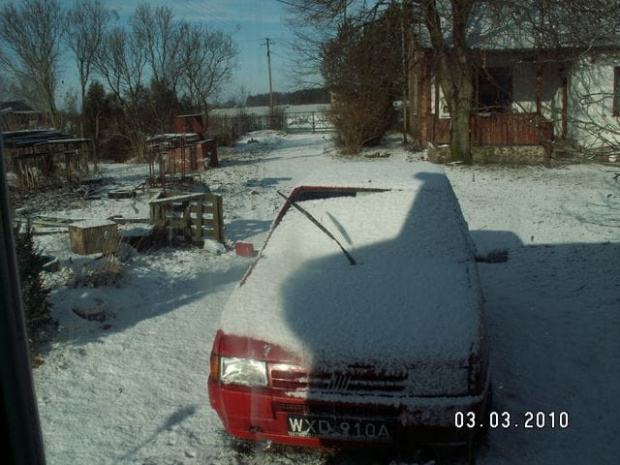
x: 360, y: 121
x: 34, y: 294
x: 363, y: 69
x: 109, y: 271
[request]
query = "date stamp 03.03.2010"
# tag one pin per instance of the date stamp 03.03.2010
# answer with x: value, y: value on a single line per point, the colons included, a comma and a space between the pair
x: 506, y: 420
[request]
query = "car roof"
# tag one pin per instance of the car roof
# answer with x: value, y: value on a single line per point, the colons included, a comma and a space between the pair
x: 377, y: 175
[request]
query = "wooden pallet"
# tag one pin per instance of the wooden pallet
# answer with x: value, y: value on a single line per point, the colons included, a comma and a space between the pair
x: 196, y: 216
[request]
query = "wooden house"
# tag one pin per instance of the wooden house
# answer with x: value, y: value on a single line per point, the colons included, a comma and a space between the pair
x: 529, y: 96
x: 19, y: 117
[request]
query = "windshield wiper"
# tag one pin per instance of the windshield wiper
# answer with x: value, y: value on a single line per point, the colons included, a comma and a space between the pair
x: 320, y: 226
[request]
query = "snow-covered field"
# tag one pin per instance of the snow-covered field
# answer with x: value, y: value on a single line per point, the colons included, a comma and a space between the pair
x: 316, y: 107
x: 311, y: 117
x: 132, y: 389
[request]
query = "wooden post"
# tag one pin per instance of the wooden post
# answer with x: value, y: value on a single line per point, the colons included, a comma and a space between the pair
x: 217, y: 218
x: 199, y: 221
x: 539, y: 85
x: 564, y: 107
x: 162, y: 170
x: 68, y: 166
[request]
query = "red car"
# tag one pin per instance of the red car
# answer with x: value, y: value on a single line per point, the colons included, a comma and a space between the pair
x: 361, y: 321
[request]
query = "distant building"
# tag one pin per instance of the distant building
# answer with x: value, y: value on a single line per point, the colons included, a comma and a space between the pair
x: 22, y: 117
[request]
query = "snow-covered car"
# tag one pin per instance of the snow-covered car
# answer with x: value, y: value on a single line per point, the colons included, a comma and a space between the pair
x: 362, y: 318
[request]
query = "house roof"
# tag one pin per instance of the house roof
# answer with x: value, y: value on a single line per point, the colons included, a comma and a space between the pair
x: 15, y: 105
x: 34, y: 137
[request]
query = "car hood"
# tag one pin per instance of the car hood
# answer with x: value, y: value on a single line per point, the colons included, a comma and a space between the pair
x: 334, y: 317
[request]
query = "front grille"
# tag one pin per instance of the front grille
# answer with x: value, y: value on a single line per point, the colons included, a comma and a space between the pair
x: 351, y: 381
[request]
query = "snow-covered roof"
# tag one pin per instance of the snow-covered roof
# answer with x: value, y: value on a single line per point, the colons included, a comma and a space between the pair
x: 496, y: 27
x: 93, y: 223
x: 412, y: 296
x: 410, y: 176
x: 172, y: 136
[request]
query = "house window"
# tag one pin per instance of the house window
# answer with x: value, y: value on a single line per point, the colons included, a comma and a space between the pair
x: 495, y: 89
x: 616, y: 94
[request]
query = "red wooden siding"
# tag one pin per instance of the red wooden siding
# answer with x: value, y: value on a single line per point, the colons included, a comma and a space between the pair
x: 510, y: 129
x: 496, y: 129
x: 190, y: 157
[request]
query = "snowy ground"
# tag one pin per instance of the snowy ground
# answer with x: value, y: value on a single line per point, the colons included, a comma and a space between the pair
x: 132, y: 389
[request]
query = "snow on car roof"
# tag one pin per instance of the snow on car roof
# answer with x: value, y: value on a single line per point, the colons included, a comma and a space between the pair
x: 389, y: 175
x: 304, y: 295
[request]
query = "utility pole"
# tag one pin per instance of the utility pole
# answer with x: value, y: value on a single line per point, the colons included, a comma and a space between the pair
x: 271, y: 113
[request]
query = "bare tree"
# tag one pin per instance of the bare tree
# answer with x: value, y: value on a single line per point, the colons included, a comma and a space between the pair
x: 159, y: 35
x: 88, y: 21
x: 584, y: 24
x: 155, y: 64
x: 456, y: 66
x: 241, y: 98
x: 121, y: 62
x: 304, y: 57
x: 207, y: 60
x: 32, y: 33
x: 162, y: 38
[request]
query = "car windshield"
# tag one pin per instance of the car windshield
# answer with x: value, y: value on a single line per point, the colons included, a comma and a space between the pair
x: 310, y: 194
x: 175, y: 308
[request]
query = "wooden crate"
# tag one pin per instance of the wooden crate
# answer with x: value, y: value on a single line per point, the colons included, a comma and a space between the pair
x: 191, y: 156
x: 94, y: 236
x: 195, y: 216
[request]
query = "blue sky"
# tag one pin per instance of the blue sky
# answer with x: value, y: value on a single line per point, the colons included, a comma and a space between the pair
x: 249, y: 22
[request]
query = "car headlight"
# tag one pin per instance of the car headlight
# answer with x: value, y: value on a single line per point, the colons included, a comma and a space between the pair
x: 243, y: 371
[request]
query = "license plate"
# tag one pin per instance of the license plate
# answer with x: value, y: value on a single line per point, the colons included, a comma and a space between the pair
x: 334, y: 428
